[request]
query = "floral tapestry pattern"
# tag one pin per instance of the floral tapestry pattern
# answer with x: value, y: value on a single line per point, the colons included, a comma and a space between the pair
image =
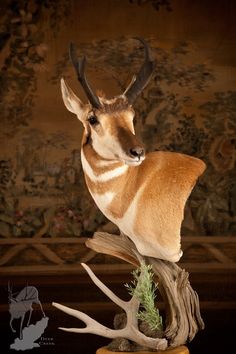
x: 42, y: 185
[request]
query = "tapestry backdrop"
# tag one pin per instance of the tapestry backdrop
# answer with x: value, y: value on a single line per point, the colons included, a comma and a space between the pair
x: 189, y: 106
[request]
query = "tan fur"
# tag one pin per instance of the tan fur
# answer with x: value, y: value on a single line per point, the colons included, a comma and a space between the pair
x: 118, y: 105
x: 161, y: 205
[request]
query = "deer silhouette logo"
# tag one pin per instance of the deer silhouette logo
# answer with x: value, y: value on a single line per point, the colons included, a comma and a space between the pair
x: 20, y: 303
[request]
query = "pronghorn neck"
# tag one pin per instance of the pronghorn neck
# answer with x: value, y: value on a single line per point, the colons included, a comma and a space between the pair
x: 97, y: 168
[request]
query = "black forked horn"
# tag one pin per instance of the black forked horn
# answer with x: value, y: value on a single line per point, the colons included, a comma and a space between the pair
x: 143, y: 76
x: 79, y: 65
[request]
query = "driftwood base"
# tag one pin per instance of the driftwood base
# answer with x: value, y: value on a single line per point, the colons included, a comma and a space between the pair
x: 183, y: 318
x: 178, y: 350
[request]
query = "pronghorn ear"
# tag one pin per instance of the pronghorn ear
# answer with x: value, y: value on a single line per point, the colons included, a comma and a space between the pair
x: 71, y: 101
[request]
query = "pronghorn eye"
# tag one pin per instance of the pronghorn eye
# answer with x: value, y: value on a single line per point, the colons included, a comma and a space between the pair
x: 93, y: 120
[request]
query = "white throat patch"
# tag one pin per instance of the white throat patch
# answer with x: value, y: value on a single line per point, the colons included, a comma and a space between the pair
x: 103, y: 177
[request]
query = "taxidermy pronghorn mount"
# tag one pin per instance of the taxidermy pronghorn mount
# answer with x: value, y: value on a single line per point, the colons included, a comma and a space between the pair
x: 143, y: 194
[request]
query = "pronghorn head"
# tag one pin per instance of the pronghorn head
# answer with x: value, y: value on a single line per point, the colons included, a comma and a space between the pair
x: 108, y: 123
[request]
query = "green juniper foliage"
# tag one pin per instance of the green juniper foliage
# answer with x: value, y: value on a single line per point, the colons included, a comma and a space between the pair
x: 144, y: 288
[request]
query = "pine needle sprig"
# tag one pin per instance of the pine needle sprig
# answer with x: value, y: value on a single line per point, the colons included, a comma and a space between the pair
x: 144, y: 289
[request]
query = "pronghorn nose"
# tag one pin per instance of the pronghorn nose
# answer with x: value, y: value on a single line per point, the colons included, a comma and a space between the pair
x: 137, y: 151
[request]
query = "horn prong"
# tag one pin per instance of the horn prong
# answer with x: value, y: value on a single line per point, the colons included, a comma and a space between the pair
x: 144, y: 74
x: 79, y: 65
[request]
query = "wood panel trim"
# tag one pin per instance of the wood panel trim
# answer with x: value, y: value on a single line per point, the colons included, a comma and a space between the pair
x: 220, y: 260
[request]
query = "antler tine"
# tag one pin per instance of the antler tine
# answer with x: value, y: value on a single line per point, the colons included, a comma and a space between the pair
x: 79, y: 65
x: 130, y: 331
x: 144, y: 74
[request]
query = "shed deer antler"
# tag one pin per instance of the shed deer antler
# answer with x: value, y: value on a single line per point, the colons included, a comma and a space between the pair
x: 130, y: 331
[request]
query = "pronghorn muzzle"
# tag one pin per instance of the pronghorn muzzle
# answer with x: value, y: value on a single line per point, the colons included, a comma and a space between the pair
x: 137, y: 152
x: 132, y: 147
